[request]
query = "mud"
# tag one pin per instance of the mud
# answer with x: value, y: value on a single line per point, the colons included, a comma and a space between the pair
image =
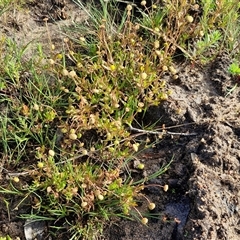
x: 204, y: 182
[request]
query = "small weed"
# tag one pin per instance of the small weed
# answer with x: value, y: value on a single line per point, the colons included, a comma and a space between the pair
x: 234, y: 69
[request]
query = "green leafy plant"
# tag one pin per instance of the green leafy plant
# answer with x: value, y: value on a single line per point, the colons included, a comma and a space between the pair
x: 234, y: 69
x: 209, y: 42
x: 72, y: 124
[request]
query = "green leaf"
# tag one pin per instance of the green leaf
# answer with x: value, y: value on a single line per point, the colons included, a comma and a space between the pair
x: 234, y: 69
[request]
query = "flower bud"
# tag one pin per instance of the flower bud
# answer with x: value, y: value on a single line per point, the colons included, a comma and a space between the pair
x: 140, y: 166
x: 151, y: 206
x: 84, y: 204
x: 16, y: 179
x: 189, y: 18
x: 72, y: 136
x: 51, y: 153
x: 144, y: 221
x: 100, y: 197
x: 40, y: 164
x: 165, y: 188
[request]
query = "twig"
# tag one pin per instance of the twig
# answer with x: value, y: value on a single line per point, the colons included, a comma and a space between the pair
x: 230, y: 91
x: 17, y: 174
x: 160, y: 133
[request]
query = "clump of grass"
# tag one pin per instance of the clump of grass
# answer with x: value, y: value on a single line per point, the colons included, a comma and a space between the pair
x: 85, y: 193
x: 194, y: 28
x: 65, y: 127
x: 219, y: 25
x: 8, y: 5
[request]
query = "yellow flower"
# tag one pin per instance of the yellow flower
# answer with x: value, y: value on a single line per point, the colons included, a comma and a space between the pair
x: 40, y: 164
x: 113, y: 67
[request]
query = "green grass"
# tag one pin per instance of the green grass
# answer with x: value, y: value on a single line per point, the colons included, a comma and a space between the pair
x: 9, y: 5
x: 65, y: 128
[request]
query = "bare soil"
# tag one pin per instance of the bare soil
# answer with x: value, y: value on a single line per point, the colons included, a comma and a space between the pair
x: 203, y: 200
x: 204, y: 182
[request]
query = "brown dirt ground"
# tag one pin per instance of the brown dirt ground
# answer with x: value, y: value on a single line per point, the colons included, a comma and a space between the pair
x: 204, y: 181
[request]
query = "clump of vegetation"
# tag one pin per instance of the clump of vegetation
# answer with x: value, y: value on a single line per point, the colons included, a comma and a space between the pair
x: 5, y: 238
x: 234, y: 69
x: 66, y: 118
x: 9, y: 5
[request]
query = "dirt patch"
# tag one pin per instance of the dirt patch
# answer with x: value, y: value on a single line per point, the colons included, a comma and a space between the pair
x: 203, y: 199
x: 41, y: 22
x: 204, y: 182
